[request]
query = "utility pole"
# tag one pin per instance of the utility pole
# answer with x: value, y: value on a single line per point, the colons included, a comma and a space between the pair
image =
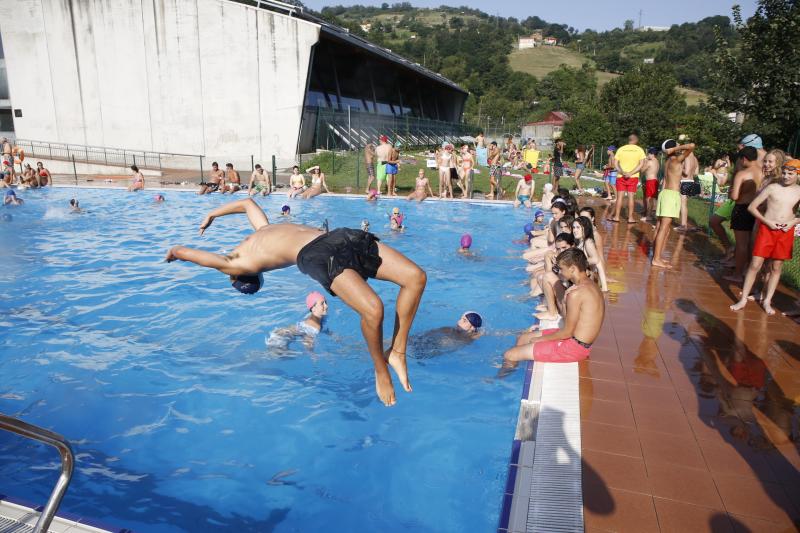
x: 640, y: 19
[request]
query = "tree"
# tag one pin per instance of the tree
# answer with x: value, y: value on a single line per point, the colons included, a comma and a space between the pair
x: 644, y: 100
x: 588, y: 126
x: 759, y: 77
x: 569, y: 88
x: 628, y: 25
x: 710, y: 129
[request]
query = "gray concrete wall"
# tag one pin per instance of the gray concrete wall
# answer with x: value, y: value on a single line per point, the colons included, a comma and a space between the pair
x: 207, y: 77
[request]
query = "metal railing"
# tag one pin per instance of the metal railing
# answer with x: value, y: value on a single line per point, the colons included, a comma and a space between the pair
x: 100, y: 154
x: 55, y: 440
x: 350, y: 130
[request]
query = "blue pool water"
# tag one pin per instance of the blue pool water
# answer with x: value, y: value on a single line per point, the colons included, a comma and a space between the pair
x: 183, y: 420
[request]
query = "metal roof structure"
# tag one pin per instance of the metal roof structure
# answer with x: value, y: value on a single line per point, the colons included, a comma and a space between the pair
x: 343, y: 34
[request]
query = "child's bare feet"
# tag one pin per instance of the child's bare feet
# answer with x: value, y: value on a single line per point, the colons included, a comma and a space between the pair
x: 384, y: 388
x: 738, y: 306
x: 768, y: 308
x: 661, y: 264
x: 397, y: 360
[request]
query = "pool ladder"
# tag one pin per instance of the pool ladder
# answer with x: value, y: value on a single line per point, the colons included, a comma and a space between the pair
x: 30, y: 431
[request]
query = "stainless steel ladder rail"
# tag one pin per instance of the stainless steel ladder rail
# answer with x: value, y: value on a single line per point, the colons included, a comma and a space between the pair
x: 30, y: 431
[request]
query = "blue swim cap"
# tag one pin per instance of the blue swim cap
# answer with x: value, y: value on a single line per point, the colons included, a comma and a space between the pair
x: 285, y: 208
x: 474, y: 319
x: 248, y: 283
x: 10, y: 192
x: 538, y: 213
x: 752, y: 140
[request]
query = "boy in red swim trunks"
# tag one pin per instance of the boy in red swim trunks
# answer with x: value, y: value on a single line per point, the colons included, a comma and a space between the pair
x: 585, y: 312
x: 775, y: 236
x: 650, y: 169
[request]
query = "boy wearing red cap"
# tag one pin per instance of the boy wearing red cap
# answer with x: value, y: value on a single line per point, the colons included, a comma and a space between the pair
x: 524, y: 190
x: 775, y: 237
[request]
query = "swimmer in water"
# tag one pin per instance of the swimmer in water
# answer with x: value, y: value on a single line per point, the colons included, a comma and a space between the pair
x: 466, y: 243
x: 286, y: 211
x: 341, y: 261
x: 74, y: 207
x: 396, y: 220
x: 449, y: 338
x: 307, y: 329
x: 372, y: 195
x: 11, y: 198
x: 159, y: 198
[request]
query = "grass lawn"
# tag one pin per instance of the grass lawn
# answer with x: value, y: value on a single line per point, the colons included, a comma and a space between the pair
x: 542, y: 60
x: 545, y: 59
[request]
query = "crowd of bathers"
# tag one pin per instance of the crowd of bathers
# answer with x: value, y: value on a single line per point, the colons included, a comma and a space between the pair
x: 759, y: 195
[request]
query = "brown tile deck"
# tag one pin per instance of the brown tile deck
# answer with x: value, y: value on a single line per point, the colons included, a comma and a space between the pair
x: 688, y: 409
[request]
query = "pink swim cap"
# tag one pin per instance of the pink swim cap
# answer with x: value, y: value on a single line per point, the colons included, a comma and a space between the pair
x: 466, y: 240
x: 313, y: 298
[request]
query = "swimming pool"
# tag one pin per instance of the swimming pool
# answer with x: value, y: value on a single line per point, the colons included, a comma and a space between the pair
x: 183, y: 420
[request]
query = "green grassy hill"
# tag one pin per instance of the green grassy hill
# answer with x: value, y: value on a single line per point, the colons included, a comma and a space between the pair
x: 544, y: 59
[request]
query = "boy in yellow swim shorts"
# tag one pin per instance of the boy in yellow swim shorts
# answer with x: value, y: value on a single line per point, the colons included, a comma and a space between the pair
x: 669, y: 199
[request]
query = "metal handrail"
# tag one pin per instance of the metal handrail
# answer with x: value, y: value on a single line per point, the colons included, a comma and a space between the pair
x: 24, y: 429
x: 96, y: 154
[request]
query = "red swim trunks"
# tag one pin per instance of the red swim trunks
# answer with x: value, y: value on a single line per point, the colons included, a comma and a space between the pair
x: 627, y: 184
x: 560, y: 351
x: 773, y: 243
x: 650, y: 188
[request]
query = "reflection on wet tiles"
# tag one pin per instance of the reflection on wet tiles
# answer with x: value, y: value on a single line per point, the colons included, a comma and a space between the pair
x: 711, y: 397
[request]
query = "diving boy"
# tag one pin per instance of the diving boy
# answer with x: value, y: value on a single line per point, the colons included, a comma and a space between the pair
x: 341, y: 261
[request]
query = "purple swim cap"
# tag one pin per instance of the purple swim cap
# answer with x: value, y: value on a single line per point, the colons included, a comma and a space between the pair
x: 466, y: 240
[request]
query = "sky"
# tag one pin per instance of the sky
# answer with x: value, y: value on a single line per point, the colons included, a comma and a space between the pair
x: 582, y: 14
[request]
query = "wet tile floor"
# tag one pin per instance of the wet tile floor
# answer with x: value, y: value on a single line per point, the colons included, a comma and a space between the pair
x: 689, y: 411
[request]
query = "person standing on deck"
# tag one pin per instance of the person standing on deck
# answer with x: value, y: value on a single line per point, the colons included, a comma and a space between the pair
x: 669, y: 201
x: 495, y: 171
x: 629, y: 161
x: 746, y: 184
x: 691, y: 167
x: 384, y: 155
x: 369, y: 161
x: 651, y: 167
x: 558, y: 163
x: 775, y: 237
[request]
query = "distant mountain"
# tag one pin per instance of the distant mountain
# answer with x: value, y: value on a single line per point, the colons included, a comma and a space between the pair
x: 415, y: 32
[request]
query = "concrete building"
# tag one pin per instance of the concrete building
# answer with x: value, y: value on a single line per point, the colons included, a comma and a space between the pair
x: 532, y: 41
x: 221, y: 78
x: 546, y: 130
